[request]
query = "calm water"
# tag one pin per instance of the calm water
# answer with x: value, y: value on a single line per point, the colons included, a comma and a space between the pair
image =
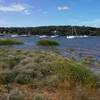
x: 92, y: 43
x: 87, y: 46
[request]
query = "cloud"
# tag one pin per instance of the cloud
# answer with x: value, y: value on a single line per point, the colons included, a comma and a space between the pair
x: 62, y: 8
x: 15, y: 8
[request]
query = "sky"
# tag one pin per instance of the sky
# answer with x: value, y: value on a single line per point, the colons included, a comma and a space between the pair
x: 31, y: 13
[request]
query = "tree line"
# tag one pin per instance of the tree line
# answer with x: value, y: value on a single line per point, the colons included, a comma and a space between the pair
x: 52, y: 30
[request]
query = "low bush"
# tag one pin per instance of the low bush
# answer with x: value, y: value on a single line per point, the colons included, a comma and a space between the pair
x: 75, y: 73
x: 4, y: 66
x: 7, y: 77
x: 24, y: 78
x: 38, y: 97
x: 16, y: 95
x: 52, y: 81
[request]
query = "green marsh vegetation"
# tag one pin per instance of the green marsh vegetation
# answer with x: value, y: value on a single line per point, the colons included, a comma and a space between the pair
x: 47, y: 43
x: 45, y: 73
x: 10, y: 42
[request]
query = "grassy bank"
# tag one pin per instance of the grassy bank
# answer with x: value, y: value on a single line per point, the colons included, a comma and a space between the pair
x: 10, y: 42
x: 47, y: 43
x: 44, y: 75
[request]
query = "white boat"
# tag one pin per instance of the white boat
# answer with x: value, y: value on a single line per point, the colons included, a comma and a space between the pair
x: 70, y: 37
x: 82, y: 36
x: 85, y: 36
x: 24, y: 35
x: 75, y: 34
x: 43, y: 36
x: 14, y: 36
x: 54, y: 36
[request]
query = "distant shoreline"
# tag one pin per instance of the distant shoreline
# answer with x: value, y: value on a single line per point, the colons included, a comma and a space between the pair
x: 52, y: 30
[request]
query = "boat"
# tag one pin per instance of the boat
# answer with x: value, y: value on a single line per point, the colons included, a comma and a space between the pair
x: 24, y: 35
x: 14, y: 36
x: 85, y: 36
x: 75, y: 36
x: 54, y: 36
x: 70, y: 37
x: 43, y: 36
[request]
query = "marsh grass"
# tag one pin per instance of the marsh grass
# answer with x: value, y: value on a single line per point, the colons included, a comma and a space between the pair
x: 75, y: 73
x: 42, y: 64
x: 42, y: 69
x: 10, y: 42
x: 47, y: 43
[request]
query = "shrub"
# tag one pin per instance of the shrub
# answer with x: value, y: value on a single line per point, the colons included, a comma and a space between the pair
x: 36, y: 70
x: 38, y: 97
x: 11, y: 63
x: 4, y: 66
x: 24, y: 78
x: 7, y: 77
x: 52, y: 81
x: 75, y: 73
x: 16, y: 95
x: 47, y: 43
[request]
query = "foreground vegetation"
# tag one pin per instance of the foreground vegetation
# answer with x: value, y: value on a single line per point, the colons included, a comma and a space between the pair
x: 39, y: 75
x: 10, y: 42
x: 47, y: 43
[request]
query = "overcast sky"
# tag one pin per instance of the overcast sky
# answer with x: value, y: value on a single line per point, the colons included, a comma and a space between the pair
x: 49, y: 12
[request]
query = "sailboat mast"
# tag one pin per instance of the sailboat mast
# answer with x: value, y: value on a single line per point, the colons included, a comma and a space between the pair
x: 74, y: 31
